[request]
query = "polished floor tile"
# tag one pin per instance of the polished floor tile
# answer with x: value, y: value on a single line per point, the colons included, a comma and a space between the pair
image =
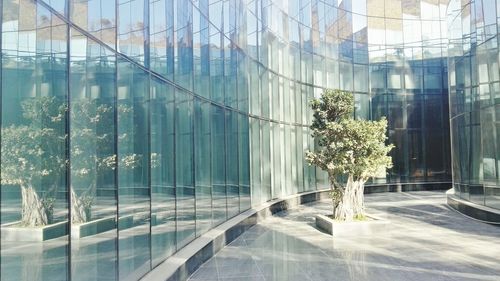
x: 426, y: 240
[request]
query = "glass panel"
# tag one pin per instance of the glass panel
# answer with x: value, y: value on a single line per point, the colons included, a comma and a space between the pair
x: 266, y: 161
x: 300, y: 159
x: 93, y: 160
x: 232, y: 182
x: 163, y: 218
x: 218, y: 156
x: 202, y: 145
x: 184, y: 165
x: 58, y: 5
x: 201, y: 50
x: 132, y: 28
x: 244, y: 161
x: 184, y: 45
x: 158, y: 35
x: 255, y: 162
x: 133, y: 171
x: 276, y: 161
x: 34, y: 187
x: 97, y: 17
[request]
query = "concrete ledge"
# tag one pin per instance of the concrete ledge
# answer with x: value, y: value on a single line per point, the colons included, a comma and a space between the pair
x: 404, y: 187
x: 185, y: 262
x: 476, y: 211
x: 355, y: 228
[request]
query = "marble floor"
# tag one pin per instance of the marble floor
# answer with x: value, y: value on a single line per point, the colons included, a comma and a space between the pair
x: 426, y: 240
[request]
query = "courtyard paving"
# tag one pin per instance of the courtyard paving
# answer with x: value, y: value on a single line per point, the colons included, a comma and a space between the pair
x: 426, y: 240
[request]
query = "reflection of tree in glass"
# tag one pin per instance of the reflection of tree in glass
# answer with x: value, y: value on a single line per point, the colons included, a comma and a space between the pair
x: 92, y: 152
x: 33, y: 157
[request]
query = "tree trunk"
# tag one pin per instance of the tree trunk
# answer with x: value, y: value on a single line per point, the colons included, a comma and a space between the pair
x: 352, y: 203
x: 359, y: 206
x: 78, y: 212
x: 81, y: 205
x: 332, y: 195
x: 34, y: 212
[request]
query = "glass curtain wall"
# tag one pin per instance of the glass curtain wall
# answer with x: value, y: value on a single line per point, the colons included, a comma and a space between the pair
x: 475, y: 100
x: 129, y: 128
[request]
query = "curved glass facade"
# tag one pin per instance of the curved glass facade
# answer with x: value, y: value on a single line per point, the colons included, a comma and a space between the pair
x: 131, y: 127
x: 475, y: 100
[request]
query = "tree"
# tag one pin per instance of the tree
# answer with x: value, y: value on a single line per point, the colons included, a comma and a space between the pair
x: 33, y: 156
x: 347, y: 148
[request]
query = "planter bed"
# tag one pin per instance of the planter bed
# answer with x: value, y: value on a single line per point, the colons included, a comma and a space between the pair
x: 370, y: 226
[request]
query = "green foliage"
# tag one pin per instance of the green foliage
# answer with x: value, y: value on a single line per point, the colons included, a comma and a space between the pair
x: 92, y: 138
x: 347, y: 146
x: 33, y: 152
x: 332, y: 106
x: 33, y: 157
x: 93, y: 154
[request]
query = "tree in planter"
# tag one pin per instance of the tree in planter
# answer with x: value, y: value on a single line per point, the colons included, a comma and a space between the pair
x: 33, y: 154
x: 347, y: 148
